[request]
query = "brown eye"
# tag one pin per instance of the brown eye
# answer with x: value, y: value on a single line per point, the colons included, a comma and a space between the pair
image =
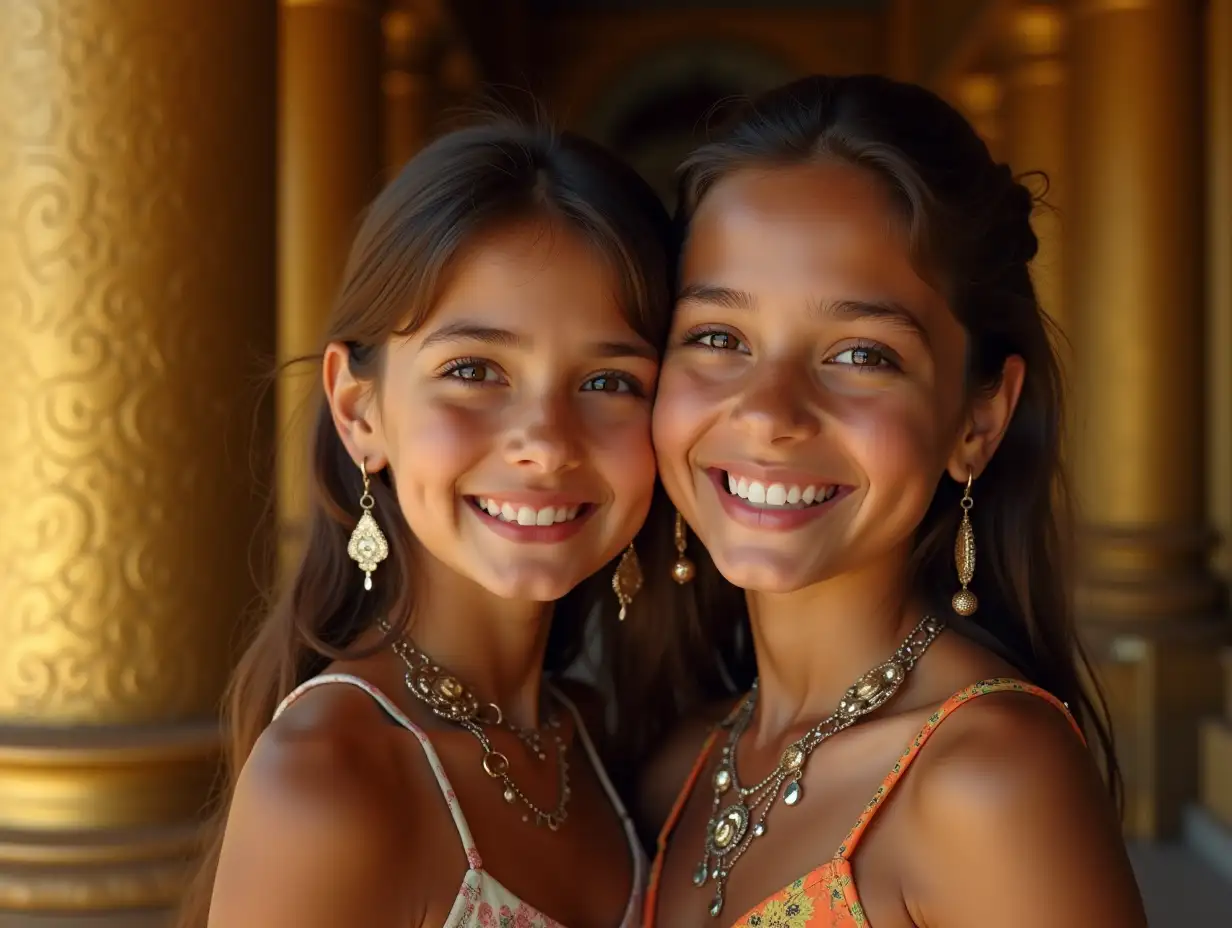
x: 865, y: 356
x: 609, y: 383
x: 720, y: 341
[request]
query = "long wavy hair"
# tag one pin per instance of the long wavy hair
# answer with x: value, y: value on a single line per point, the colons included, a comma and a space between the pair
x: 969, y: 223
x: 452, y: 191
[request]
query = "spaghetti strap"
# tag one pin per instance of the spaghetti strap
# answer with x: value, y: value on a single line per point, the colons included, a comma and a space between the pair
x: 626, y: 821
x: 455, y: 810
x: 957, y: 701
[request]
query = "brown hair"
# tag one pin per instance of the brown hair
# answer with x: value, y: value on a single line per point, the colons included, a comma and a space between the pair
x: 457, y: 187
x: 968, y: 219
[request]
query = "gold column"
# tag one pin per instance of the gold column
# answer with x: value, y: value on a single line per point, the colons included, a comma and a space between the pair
x: 1134, y: 295
x: 410, y: 50
x: 136, y: 294
x: 978, y: 97
x: 330, y: 166
x: 1034, y: 110
x: 1217, y: 733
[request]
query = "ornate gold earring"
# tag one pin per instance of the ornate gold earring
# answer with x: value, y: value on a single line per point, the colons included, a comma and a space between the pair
x: 683, y: 570
x: 367, y: 546
x: 964, y: 601
x: 627, y: 580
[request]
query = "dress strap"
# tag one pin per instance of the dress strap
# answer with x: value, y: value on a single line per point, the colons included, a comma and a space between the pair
x: 635, y: 846
x: 455, y: 810
x: 957, y: 701
x: 656, y: 870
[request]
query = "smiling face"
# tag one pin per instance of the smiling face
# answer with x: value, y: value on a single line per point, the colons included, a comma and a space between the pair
x: 812, y: 395
x: 516, y: 420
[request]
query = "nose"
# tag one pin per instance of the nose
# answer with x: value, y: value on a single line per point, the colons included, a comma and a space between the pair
x: 775, y: 408
x: 544, y: 437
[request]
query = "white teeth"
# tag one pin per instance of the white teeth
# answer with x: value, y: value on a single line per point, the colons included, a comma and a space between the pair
x: 525, y: 515
x: 777, y: 494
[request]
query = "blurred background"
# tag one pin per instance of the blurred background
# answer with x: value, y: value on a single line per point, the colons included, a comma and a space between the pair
x: 178, y: 185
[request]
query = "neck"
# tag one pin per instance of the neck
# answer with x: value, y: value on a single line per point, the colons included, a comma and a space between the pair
x: 494, y: 646
x: 812, y: 644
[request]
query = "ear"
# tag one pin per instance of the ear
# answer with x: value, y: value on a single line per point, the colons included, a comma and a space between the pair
x: 986, y: 422
x: 354, y: 408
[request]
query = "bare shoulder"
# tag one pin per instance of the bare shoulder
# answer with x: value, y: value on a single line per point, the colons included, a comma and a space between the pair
x: 1008, y: 797
x: 664, y: 775
x: 310, y: 839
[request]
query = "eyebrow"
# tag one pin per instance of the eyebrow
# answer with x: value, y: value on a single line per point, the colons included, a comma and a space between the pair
x: 887, y: 311
x: 505, y: 338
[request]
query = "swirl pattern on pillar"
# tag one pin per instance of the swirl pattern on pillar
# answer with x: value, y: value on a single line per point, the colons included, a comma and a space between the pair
x: 136, y: 315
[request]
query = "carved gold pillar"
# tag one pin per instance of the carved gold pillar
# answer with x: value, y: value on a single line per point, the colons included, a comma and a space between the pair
x: 136, y: 301
x: 330, y: 166
x: 1134, y: 194
x: 1034, y: 109
x: 1217, y: 733
x: 978, y: 97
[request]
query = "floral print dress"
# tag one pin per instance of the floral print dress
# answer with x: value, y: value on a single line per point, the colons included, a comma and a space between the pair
x: 826, y: 897
x: 482, y: 901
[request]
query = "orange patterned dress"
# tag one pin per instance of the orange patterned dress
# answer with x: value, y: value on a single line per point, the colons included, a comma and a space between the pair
x: 827, y: 897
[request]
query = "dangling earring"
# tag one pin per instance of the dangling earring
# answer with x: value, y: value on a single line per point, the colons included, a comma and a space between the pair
x: 367, y: 546
x: 683, y: 570
x: 964, y: 601
x: 627, y: 580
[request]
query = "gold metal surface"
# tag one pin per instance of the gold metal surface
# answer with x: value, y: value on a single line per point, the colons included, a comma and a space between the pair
x: 330, y: 167
x: 136, y: 316
x: 1219, y: 280
x: 1034, y: 130
x: 978, y: 96
x: 411, y: 50
x: 1134, y: 244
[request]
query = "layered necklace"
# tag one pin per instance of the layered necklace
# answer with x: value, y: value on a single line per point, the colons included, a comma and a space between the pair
x: 448, y: 698
x: 738, y: 814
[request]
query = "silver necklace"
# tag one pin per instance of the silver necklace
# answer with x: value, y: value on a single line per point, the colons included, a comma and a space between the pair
x: 732, y: 827
x: 448, y: 698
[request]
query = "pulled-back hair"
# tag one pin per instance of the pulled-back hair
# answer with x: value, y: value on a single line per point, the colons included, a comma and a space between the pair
x: 968, y: 220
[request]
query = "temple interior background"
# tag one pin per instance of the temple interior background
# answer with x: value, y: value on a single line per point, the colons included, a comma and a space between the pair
x: 179, y: 182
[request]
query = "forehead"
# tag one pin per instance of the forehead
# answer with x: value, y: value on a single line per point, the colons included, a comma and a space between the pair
x: 536, y: 272
x: 813, y: 227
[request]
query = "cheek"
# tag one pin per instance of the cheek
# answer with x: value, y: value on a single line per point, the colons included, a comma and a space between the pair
x: 618, y: 447
x: 434, y: 444
x: 898, y: 444
x: 682, y: 408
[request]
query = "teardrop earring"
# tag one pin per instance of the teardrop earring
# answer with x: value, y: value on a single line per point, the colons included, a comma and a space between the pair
x: 627, y: 580
x: 367, y: 546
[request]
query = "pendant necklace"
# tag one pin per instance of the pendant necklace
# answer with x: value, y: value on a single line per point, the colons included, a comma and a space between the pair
x: 732, y: 827
x: 448, y: 698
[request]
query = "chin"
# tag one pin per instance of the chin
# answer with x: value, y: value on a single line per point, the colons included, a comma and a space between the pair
x: 762, y: 574
x: 531, y: 585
